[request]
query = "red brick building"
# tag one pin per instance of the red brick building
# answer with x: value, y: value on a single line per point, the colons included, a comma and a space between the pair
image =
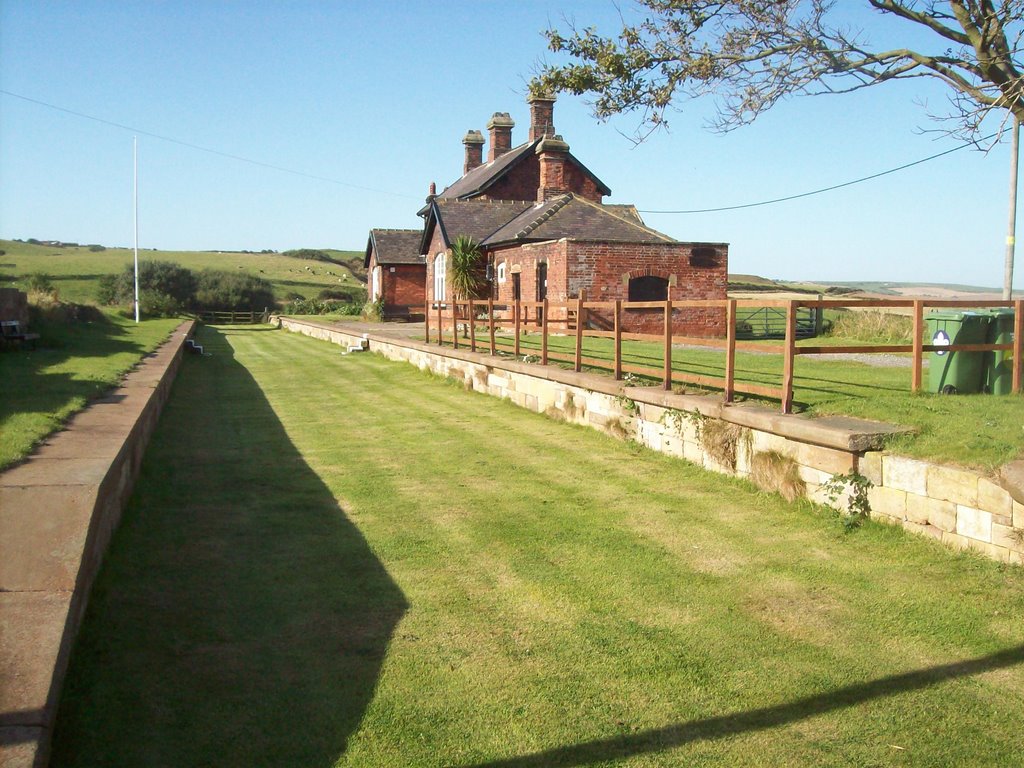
x: 396, y: 271
x: 538, y: 214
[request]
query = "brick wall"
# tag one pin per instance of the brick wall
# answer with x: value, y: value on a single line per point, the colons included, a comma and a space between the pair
x: 403, y: 288
x: 522, y: 181
x: 698, y: 271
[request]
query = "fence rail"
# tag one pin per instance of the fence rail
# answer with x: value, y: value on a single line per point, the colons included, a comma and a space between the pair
x: 443, y: 321
x: 232, y: 317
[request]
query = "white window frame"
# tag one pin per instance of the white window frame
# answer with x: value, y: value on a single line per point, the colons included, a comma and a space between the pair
x: 375, y: 288
x: 501, y: 272
x: 440, y: 273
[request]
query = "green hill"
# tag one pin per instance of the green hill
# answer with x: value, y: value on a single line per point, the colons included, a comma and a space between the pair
x: 75, y: 269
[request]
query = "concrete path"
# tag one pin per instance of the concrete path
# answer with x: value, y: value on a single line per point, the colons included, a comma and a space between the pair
x: 58, y: 511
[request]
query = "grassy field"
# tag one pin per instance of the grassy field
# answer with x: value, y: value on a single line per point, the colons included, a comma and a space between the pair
x: 76, y: 270
x: 72, y: 364
x: 342, y: 561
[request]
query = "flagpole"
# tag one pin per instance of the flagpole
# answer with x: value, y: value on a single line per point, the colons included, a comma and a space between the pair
x: 135, y: 211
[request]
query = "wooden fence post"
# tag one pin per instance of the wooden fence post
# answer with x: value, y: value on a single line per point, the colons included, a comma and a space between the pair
x: 618, y: 339
x: 790, y: 354
x: 544, y: 332
x: 667, y: 384
x: 518, y: 317
x: 472, y: 327
x: 440, y: 326
x: 455, y: 324
x: 917, y: 374
x: 578, y: 360
x: 426, y: 321
x: 490, y: 320
x: 730, y: 350
x: 1018, y: 345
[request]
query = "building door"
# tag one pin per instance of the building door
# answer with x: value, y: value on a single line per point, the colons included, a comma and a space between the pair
x: 542, y: 288
x: 516, y: 294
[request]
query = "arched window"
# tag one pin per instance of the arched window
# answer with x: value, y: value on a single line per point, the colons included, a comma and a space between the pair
x: 501, y: 272
x: 649, y: 288
x: 439, y: 277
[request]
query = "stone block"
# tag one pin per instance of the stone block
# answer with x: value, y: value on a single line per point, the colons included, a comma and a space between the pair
x: 1002, y: 554
x: 956, y: 485
x: 812, y: 475
x: 974, y: 523
x: 763, y: 442
x: 693, y: 452
x: 1017, y: 558
x: 870, y: 466
x: 888, y: 501
x: 1018, y: 515
x: 994, y: 498
x: 497, y: 382
x: 825, y: 459
x: 904, y: 474
x: 923, y: 530
x: 955, y: 540
x: 942, y: 514
x: 1010, y: 538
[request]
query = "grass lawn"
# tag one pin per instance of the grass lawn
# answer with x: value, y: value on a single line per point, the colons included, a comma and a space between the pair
x: 982, y: 431
x: 75, y: 271
x: 72, y: 363
x: 339, y: 560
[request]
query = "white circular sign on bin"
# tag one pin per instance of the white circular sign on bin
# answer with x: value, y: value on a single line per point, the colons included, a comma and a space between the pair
x: 940, y: 339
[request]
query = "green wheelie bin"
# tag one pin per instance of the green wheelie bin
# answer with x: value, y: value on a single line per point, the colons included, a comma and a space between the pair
x: 957, y: 372
x: 999, y: 363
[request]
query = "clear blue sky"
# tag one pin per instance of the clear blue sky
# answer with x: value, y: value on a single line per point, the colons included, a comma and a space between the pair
x: 378, y: 96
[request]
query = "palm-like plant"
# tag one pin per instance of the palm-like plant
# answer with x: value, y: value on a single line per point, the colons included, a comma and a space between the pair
x: 466, y: 270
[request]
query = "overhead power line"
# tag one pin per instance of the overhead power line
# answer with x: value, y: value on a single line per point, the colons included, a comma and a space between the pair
x: 828, y: 189
x: 200, y: 148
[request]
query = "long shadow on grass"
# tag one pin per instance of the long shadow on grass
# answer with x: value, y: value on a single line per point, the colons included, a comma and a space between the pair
x: 725, y: 726
x: 240, y: 619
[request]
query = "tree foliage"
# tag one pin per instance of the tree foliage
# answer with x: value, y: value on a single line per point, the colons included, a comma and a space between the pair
x: 749, y: 54
x: 166, y: 288
x: 467, y: 268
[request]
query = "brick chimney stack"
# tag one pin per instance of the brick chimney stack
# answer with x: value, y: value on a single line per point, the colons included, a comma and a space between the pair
x: 542, y: 120
x: 551, y: 153
x: 500, y: 126
x: 474, y: 141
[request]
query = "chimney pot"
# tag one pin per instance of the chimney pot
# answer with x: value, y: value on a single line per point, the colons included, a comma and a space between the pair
x: 542, y: 120
x: 500, y: 126
x: 474, y: 142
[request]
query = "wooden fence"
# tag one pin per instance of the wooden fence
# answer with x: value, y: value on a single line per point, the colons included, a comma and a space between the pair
x: 232, y: 317
x: 443, y: 321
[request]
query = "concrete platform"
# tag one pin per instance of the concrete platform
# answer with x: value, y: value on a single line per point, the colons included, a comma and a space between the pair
x: 58, y: 510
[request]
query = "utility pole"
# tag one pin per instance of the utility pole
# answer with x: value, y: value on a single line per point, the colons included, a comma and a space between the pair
x: 1011, y: 231
x: 135, y: 213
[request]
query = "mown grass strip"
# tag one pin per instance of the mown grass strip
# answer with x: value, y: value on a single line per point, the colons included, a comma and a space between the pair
x: 341, y: 560
x: 71, y: 364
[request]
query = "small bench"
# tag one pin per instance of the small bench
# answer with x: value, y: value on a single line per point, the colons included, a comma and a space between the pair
x: 11, y: 331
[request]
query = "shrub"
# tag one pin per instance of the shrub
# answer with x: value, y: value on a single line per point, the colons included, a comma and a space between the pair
x: 308, y: 253
x: 97, y: 248
x: 874, y: 326
x: 165, y: 288
x: 39, y: 282
x: 374, y: 310
x: 106, y: 290
x: 229, y: 290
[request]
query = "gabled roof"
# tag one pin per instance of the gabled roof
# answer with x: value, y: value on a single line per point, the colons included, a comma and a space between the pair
x: 474, y: 218
x: 477, y: 181
x: 570, y: 216
x: 394, y: 246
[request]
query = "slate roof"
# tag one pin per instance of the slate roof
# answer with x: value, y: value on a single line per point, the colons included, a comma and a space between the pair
x: 483, y: 176
x: 474, y: 218
x: 575, y: 217
x: 394, y: 246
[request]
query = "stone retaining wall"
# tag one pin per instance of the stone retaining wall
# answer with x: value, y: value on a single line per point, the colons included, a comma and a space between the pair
x: 792, y: 454
x: 58, y: 511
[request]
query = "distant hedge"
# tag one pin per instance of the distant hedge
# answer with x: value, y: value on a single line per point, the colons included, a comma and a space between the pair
x: 309, y: 253
x: 166, y: 288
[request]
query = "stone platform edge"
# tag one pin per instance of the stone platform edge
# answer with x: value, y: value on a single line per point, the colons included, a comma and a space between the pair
x: 962, y: 508
x: 58, y: 511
